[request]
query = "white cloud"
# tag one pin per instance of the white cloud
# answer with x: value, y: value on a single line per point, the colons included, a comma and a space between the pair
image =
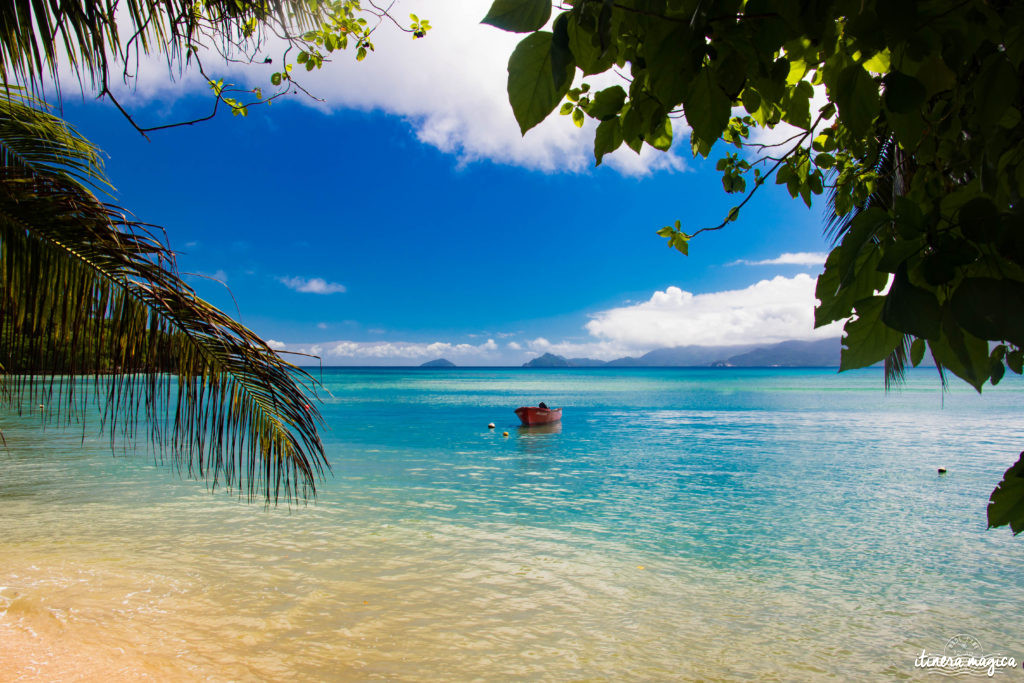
x: 276, y: 345
x: 767, y: 312
x: 314, y: 285
x: 218, y: 276
x: 322, y: 326
x: 450, y: 87
x: 346, y: 352
x: 801, y: 258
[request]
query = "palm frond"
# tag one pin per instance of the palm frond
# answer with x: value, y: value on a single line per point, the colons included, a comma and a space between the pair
x: 34, y: 142
x: 895, y: 364
x: 893, y: 169
x: 84, y: 291
x: 37, y: 35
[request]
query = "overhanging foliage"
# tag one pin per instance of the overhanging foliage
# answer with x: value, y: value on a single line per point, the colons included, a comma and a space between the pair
x: 920, y: 144
x: 102, y: 292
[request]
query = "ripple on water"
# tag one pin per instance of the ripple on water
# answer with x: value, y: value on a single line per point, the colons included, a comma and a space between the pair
x: 674, y: 528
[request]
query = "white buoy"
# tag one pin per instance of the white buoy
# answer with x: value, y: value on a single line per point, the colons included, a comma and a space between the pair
x: 490, y: 425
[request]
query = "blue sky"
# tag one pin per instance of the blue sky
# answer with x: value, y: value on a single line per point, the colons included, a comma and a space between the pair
x: 405, y: 219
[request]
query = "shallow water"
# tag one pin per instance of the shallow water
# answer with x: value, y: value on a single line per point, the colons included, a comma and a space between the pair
x: 722, y: 524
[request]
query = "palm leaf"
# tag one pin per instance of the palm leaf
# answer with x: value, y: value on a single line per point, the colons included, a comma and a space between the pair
x: 893, y: 168
x: 35, y: 35
x: 84, y: 291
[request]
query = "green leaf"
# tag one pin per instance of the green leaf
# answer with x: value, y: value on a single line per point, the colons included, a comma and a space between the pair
x: 562, y: 63
x: 910, y: 309
x: 862, y: 229
x: 518, y: 16
x: 751, y: 100
x: 577, y: 117
x: 587, y: 51
x: 661, y: 136
x: 533, y: 92
x: 995, y: 89
x: 856, y: 95
x: 607, y: 139
x: 275, y: 78
x: 878, y: 64
x: 903, y: 93
x: 607, y: 103
x: 990, y: 309
x: 979, y: 219
x: 996, y: 371
x: 917, y: 352
x: 868, y: 340
x: 668, y: 67
x: 837, y: 301
x: 707, y: 107
x: 962, y: 353
x: 1015, y: 361
x: 1006, y: 504
x: 825, y: 160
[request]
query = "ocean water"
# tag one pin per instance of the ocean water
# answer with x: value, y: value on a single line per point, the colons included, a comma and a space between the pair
x: 679, y: 524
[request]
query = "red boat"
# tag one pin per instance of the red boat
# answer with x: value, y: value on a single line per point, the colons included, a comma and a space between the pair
x: 538, y: 415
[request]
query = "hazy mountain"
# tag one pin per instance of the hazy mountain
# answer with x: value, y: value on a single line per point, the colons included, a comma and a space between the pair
x: 792, y: 354
x: 438, y: 363
x: 822, y: 353
x: 691, y: 356
x: 585, y: 362
x: 548, y: 360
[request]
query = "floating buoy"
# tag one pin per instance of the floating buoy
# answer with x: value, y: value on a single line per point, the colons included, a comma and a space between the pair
x: 942, y: 470
x: 490, y: 425
x: 504, y: 433
x: 40, y: 406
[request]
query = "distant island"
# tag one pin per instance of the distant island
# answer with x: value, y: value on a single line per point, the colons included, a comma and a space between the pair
x: 438, y: 363
x: 823, y: 353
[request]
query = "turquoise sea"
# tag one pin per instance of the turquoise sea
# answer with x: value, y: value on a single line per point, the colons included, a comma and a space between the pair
x: 731, y: 524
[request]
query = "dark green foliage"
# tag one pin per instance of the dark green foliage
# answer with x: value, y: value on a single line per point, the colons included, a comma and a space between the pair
x: 920, y: 146
x: 520, y: 17
x: 1006, y: 505
x: 535, y: 85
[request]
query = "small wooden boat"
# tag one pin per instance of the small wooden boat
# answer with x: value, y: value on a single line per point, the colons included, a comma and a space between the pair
x: 536, y: 415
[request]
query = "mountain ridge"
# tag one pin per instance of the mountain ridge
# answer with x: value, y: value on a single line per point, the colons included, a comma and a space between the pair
x: 792, y: 353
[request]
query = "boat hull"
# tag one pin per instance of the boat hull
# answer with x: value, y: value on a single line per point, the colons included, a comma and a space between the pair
x: 531, y: 415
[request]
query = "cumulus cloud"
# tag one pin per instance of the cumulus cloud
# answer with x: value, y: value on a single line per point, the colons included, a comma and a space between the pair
x: 450, y: 87
x: 347, y: 352
x: 314, y: 285
x: 276, y: 345
x: 767, y: 312
x: 801, y: 258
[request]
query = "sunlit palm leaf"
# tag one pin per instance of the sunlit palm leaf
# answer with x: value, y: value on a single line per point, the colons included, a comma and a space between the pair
x: 85, y: 291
